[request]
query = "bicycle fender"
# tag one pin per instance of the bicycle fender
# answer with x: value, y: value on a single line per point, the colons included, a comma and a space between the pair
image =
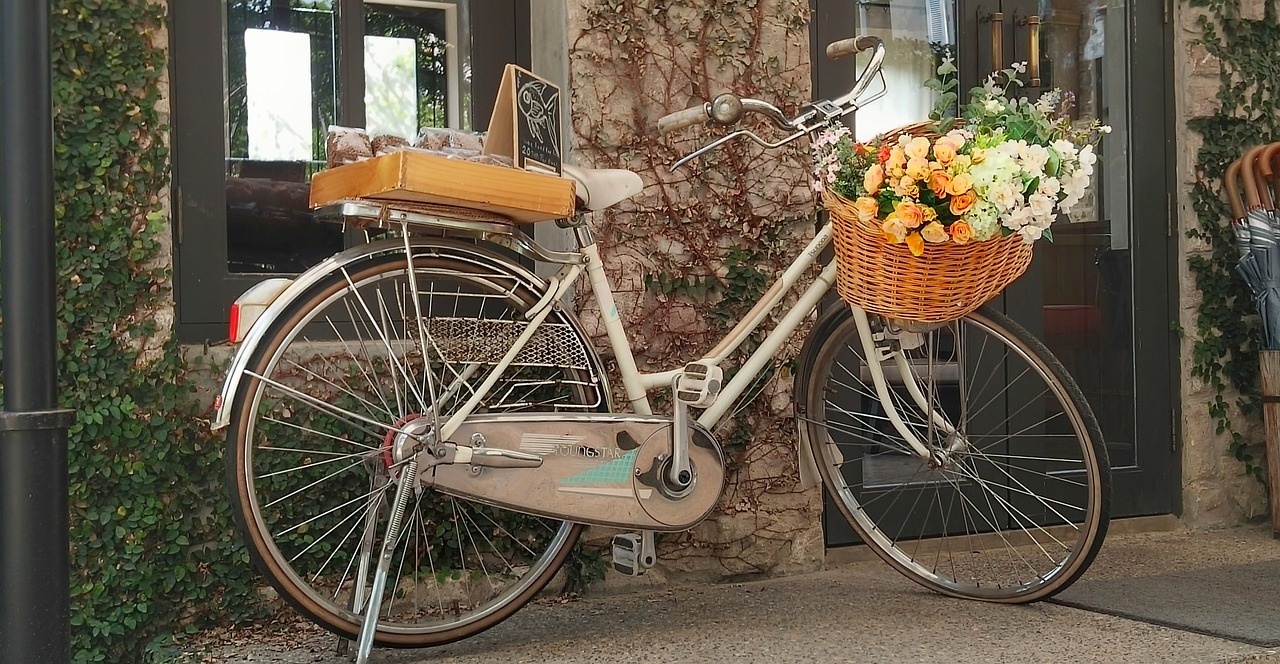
x: 483, y: 257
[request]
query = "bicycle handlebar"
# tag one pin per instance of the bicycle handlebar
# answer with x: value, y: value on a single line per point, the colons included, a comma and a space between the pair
x: 845, y: 47
x: 727, y: 109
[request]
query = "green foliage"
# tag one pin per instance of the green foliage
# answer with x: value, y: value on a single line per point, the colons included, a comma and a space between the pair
x: 152, y: 550
x: 1227, y: 335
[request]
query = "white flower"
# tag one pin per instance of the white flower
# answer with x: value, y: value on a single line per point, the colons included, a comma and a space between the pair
x: 1087, y: 157
x: 1017, y: 218
x: 1004, y: 196
x: 1041, y: 206
x: 1034, y: 158
x: 1065, y: 148
x: 1049, y: 101
x: 1050, y: 186
x: 992, y: 106
x: 982, y: 217
x: 1030, y: 233
x: 1075, y: 184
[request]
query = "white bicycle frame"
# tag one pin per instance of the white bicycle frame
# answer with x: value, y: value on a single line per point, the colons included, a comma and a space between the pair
x: 638, y: 384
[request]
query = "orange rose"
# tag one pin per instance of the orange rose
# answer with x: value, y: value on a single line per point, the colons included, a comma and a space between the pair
x: 960, y: 203
x: 916, y: 244
x: 960, y: 184
x: 874, y: 179
x: 938, y: 181
x: 934, y: 232
x: 961, y: 232
x: 909, y: 214
x: 867, y: 208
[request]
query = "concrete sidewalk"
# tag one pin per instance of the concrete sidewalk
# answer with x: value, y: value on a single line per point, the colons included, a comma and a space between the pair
x: 857, y: 612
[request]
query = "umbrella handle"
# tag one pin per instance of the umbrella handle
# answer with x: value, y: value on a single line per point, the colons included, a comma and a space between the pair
x: 1230, y: 182
x: 1250, y: 176
x: 1266, y: 166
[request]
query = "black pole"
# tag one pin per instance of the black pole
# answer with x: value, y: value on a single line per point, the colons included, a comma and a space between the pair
x: 34, y: 574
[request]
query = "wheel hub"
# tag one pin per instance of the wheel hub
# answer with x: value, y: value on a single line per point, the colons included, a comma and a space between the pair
x: 405, y: 438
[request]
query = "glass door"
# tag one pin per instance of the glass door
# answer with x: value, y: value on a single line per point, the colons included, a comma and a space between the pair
x: 1080, y: 295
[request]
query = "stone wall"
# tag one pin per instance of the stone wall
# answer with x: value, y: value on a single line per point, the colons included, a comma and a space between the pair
x: 629, y: 65
x: 1215, y: 490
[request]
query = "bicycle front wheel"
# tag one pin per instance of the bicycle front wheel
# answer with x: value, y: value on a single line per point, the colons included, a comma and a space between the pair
x: 1013, y: 504
x: 313, y: 463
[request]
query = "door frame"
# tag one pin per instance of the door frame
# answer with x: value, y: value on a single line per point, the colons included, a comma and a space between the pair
x: 1154, y: 486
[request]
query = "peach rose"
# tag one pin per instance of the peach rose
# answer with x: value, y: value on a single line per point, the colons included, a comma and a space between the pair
x: 917, y: 148
x: 934, y: 232
x: 944, y: 151
x: 897, y: 159
x: 908, y: 213
x: 938, y: 181
x: 918, y: 169
x: 867, y: 208
x: 916, y: 244
x: 960, y: 203
x: 961, y: 232
x: 894, y: 231
x: 960, y: 184
x: 874, y: 179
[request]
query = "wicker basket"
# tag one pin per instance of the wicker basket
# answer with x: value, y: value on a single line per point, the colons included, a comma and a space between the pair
x: 946, y: 283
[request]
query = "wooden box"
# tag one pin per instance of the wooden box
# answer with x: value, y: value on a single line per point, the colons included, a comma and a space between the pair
x: 417, y: 177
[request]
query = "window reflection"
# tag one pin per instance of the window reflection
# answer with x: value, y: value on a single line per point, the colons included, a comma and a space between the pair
x: 284, y: 91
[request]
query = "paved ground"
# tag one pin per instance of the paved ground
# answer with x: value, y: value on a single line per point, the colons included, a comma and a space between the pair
x: 858, y: 612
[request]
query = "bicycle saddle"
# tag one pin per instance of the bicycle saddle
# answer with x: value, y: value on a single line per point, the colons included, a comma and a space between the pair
x: 599, y: 188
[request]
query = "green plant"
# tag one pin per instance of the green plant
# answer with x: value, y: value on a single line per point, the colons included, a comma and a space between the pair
x: 1226, y: 338
x: 151, y: 546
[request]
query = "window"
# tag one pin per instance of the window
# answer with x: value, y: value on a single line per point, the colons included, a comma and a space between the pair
x: 253, y: 101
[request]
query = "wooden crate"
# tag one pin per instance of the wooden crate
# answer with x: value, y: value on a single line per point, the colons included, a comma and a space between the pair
x: 417, y: 177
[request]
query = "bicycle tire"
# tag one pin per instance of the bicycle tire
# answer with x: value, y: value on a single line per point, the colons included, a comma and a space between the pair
x: 978, y: 525
x: 286, y: 522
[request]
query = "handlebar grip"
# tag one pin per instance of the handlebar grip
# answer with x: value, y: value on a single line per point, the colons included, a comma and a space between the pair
x: 681, y: 119
x: 852, y: 45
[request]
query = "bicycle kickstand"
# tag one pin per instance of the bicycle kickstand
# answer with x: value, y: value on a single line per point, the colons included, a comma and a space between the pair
x: 374, y: 606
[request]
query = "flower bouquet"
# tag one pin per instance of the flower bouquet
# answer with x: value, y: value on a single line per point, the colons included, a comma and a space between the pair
x: 932, y: 220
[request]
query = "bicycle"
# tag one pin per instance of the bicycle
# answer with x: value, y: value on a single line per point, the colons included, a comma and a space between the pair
x: 467, y: 433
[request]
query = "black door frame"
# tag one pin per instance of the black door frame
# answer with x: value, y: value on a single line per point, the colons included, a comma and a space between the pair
x: 1152, y: 487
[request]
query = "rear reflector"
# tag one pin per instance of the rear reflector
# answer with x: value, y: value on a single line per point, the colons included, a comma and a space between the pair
x: 249, y: 306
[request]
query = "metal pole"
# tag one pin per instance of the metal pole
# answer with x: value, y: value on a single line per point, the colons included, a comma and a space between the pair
x: 34, y: 569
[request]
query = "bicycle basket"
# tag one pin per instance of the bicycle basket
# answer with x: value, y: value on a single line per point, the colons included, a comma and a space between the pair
x: 948, y: 282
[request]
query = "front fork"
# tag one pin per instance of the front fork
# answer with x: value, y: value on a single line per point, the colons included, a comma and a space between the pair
x: 876, y: 352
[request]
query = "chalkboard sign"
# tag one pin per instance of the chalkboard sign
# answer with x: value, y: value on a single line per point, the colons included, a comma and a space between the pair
x: 526, y: 122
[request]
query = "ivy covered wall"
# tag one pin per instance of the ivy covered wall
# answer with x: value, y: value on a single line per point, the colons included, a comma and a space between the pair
x: 691, y: 253
x: 1226, y: 56
x: 152, y: 550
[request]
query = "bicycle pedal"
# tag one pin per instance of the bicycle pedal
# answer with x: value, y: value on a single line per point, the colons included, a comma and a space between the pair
x: 699, y: 384
x: 630, y: 555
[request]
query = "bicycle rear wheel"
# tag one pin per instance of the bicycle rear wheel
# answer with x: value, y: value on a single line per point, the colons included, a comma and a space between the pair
x: 1012, y: 508
x: 311, y: 461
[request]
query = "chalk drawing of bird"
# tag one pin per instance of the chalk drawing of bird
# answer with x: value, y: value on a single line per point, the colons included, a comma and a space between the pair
x: 539, y: 111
